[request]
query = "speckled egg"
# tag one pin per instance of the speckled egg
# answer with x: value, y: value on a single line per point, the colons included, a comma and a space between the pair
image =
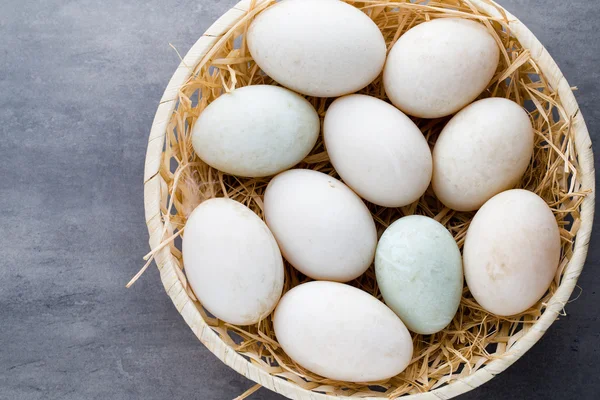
x: 419, y: 272
x: 511, y: 252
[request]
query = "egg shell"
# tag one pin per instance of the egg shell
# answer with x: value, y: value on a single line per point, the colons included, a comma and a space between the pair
x: 323, y: 228
x: 419, y: 272
x: 256, y: 131
x: 440, y: 66
x: 232, y: 261
x: 511, y: 252
x: 484, y: 150
x: 318, y: 48
x: 377, y: 150
x: 341, y: 333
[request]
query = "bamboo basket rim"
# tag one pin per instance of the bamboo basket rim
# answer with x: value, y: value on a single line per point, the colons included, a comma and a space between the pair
x: 184, y: 303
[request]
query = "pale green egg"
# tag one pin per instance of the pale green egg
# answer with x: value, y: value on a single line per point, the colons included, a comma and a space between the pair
x: 419, y: 272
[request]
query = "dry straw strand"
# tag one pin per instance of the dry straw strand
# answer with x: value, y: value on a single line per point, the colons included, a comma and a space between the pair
x: 475, y: 340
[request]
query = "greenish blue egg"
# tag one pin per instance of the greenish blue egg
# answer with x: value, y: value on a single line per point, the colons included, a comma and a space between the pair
x: 419, y: 272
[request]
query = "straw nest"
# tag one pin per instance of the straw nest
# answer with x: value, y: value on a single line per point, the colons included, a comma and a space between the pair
x: 475, y: 338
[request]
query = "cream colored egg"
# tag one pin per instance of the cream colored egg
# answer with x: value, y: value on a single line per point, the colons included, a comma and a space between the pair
x: 232, y: 261
x: 341, y: 333
x: 483, y: 150
x: 256, y: 131
x: 377, y: 150
x: 511, y: 252
x: 440, y: 66
x: 318, y: 48
x: 323, y: 228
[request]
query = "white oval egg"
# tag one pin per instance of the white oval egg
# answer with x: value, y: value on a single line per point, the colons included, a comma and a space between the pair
x: 318, y: 48
x: 419, y: 272
x: 482, y: 151
x: 232, y: 261
x: 323, y: 228
x: 341, y: 333
x: 511, y: 252
x: 440, y: 66
x: 377, y: 150
x: 256, y: 131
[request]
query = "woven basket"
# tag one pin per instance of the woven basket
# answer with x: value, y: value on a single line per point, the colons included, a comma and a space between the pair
x: 571, y: 197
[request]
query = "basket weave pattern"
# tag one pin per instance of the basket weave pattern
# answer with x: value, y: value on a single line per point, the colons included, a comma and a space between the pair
x: 477, y: 345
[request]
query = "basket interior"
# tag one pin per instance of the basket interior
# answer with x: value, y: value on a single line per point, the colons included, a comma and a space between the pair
x: 475, y: 337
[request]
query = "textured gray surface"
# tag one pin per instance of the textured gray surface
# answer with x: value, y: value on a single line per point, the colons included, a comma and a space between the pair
x: 79, y: 84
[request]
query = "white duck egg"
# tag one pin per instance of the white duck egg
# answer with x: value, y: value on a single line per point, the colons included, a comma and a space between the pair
x: 318, y: 48
x: 323, y: 228
x: 377, y: 150
x: 511, y: 252
x: 341, y: 333
x: 484, y: 150
x: 440, y: 66
x: 256, y: 131
x: 232, y: 261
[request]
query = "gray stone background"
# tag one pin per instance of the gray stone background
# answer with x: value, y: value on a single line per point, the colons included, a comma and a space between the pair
x: 79, y: 85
